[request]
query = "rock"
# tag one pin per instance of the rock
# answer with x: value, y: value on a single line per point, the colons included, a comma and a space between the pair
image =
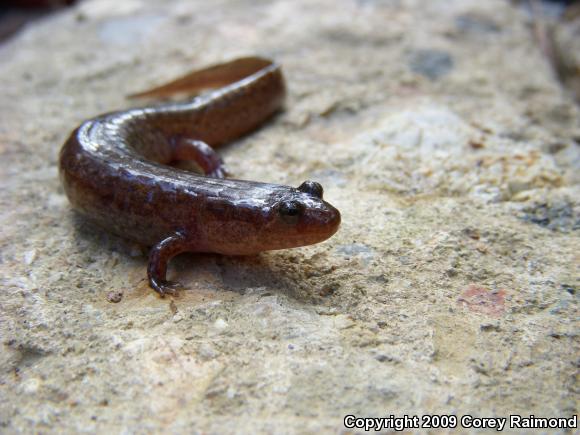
x: 431, y: 63
x: 437, y: 128
x: 476, y: 24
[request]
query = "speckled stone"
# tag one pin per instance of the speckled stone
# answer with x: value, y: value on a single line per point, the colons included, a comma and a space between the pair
x: 451, y: 287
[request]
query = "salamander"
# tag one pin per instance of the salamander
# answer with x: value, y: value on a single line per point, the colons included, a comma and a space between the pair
x: 116, y: 170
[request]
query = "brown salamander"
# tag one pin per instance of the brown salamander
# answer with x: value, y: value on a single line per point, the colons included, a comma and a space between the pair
x: 115, y: 171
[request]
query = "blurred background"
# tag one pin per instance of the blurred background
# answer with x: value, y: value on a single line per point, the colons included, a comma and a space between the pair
x: 555, y: 26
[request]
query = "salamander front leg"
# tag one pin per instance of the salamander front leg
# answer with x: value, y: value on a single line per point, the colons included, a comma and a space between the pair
x: 201, y: 153
x: 159, y: 257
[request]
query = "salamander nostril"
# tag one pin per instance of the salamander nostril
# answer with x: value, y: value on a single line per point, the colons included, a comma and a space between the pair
x: 312, y: 188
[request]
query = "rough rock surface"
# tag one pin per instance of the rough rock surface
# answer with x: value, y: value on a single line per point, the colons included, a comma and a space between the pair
x: 437, y: 128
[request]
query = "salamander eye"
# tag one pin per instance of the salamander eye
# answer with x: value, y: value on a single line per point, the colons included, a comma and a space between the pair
x: 290, y: 211
x: 312, y: 188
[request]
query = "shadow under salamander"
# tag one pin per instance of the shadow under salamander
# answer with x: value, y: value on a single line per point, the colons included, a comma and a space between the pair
x: 214, y: 272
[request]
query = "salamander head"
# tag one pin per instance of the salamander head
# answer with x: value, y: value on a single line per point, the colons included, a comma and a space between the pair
x: 300, y: 217
x: 263, y: 217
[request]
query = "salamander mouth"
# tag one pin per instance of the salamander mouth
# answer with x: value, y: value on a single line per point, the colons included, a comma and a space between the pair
x: 331, y: 221
x: 319, y: 224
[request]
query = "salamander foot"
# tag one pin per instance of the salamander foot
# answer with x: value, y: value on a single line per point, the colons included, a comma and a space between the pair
x: 159, y: 258
x: 165, y: 287
x: 201, y: 153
